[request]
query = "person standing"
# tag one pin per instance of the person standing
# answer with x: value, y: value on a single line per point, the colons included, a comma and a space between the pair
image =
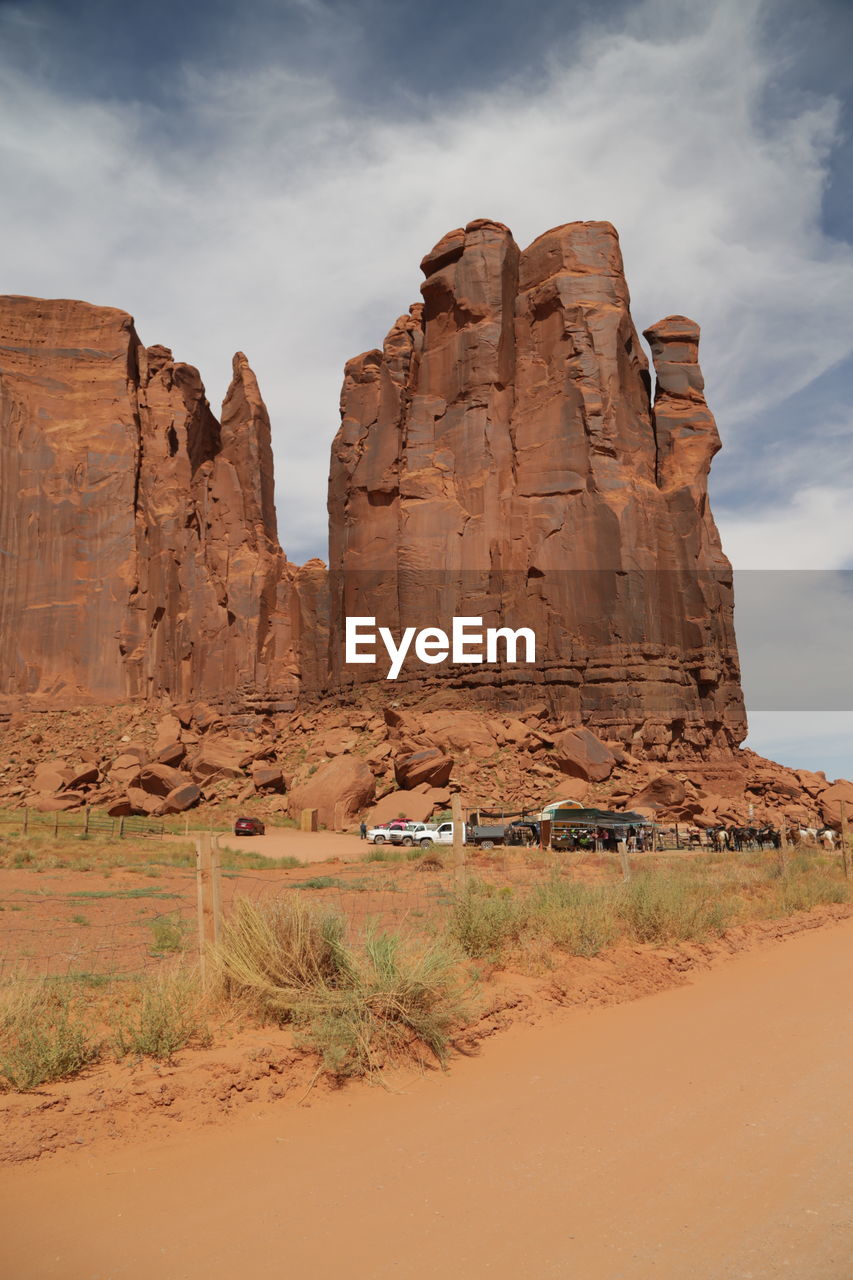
x: 363, y: 830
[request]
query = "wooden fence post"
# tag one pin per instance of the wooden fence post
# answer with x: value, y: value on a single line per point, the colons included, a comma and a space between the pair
x: 458, y: 839
x: 86, y: 821
x: 55, y: 823
x: 121, y: 828
x: 845, y: 860
x: 216, y: 889
x: 26, y: 821
x: 204, y: 897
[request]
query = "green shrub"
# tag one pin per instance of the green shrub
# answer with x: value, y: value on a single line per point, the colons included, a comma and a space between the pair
x: 580, y: 919
x: 673, y: 908
x: 484, y: 921
x: 166, y: 1013
x: 44, y: 1034
x: 168, y: 933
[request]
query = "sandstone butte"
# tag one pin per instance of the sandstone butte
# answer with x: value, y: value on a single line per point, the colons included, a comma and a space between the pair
x: 140, y: 552
x: 501, y: 456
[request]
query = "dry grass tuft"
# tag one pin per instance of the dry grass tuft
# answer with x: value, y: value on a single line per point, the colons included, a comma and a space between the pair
x: 360, y: 1006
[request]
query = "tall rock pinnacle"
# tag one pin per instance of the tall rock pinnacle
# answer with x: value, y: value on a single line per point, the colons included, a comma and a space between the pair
x: 138, y: 534
x: 500, y: 457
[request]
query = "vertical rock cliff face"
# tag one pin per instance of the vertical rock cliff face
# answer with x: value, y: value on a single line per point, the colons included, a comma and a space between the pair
x: 501, y: 458
x: 138, y: 534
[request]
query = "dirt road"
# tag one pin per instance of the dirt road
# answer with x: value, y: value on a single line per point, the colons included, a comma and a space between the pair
x: 308, y: 846
x: 700, y: 1134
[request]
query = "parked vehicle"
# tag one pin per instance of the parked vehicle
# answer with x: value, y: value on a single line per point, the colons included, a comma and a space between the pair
x: 249, y: 827
x: 487, y: 836
x: 406, y: 834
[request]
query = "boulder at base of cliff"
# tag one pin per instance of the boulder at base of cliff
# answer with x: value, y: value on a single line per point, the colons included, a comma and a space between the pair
x: 430, y: 766
x: 570, y: 789
x: 663, y: 792
x: 160, y: 779
x: 829, y: 802
x: 580, y: 754
x: 183, y: 797
x: 56, y: 804
x: 459, y: 731
x: 268, y: 777
x: 120, y: 808
x: 123, y: 769
x: 414, y: 806
x: 52, y: 775
x: 221, y: 758
x: 172, y: 754
x: 338, y: 790
x: 142, y: 802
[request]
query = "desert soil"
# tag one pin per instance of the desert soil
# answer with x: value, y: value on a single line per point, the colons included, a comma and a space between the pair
x: 701, y: 1132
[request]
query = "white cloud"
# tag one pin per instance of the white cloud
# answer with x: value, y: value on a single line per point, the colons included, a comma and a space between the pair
x: 269, y: 214
x: 805, y: 739
x: 809, y: 529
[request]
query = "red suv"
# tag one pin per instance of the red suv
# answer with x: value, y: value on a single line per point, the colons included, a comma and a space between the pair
x: 249, y: 827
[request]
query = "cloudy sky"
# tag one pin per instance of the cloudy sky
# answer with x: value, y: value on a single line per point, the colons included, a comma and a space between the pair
x: 267, y: 175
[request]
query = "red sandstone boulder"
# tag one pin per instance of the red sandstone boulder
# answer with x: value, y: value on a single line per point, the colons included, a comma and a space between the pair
x: 459, y: 731
x: 268, y: 777
x: 335, y: 742
x: 569, y: 789
x: 123, y: 769
x: 416, y: 806
x: 171, y: 754
x: 580, y: 754
x: 430, y: 766
x: 512, y: 732
x: 57, y: 804
x: 144, y: 802
x: 120, y: 808
x: 52, y: 775
x: 160, y: 779
x: 182, y: 798
x: 830, y: 800
x: 86, y: 774
x: 662, y: 792
x: 221, y: 758
x: 338, y: 790
x: 168, y: 731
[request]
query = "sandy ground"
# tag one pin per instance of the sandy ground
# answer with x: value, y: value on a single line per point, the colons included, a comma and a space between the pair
x: 308, y: 846
x: 703, y: 1132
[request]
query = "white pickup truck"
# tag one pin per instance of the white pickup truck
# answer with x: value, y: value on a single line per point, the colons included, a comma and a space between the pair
x: 425, y: 834
x: 412, y: 833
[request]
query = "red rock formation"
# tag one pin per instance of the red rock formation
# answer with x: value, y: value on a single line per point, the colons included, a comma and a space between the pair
x: 138, y: 533
x: 500, y: 457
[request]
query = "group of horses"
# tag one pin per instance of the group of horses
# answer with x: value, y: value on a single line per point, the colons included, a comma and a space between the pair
x: 722, y: 838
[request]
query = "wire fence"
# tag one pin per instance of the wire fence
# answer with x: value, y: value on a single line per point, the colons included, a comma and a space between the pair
x: 94, y: 934
x: 128, y: 921
x: 119, y: 927
x: 84, y: 821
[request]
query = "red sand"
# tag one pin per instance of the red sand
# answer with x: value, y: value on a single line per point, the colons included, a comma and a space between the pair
x: 703, y: 1132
